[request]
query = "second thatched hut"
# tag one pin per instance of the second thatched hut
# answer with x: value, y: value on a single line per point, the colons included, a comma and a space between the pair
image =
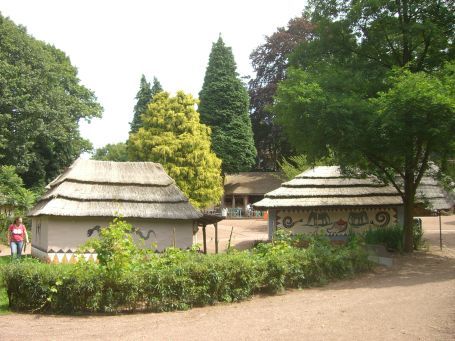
x: 323, y: 200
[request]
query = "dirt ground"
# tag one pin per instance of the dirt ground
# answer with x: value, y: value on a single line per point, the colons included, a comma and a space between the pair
x: 412, y: 300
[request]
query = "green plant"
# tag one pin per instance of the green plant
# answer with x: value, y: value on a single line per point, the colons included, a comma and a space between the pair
x: 391, y: 237
x: 419, y: 242
x: 128, y: 279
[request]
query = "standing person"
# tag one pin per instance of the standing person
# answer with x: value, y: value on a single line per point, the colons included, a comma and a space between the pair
x: 16, y: 234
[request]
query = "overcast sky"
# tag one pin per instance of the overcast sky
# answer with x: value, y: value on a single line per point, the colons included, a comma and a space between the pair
x: 112, y: 43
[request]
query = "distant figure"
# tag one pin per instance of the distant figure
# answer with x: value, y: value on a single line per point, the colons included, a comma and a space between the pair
x: 224, y: 212
x: 16, y: 234
x: 249, y: 210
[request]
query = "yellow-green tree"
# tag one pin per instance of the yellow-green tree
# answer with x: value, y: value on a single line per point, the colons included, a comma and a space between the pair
x: 172, y: 135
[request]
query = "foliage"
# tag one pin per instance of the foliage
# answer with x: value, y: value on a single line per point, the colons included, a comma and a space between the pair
x: 15, y: 199
x: 115, y: 247
x: 224, y: 108
x: 173, y: 136
x: 391, y: 237
x: 295, y: 165
x: 127, y: 278
x: 269, y: 61
x: 112, y: 152
x: 12, y: 191
x: 144, y: 96
x: 371, y: 86
x: 41, y: 104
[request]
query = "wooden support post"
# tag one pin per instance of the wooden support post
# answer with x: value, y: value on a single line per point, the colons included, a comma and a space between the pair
x: 216, y: 237
x: 204, y: 237
x: 440, y: 230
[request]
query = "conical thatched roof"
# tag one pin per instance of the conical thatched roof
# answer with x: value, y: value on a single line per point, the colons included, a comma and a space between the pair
x: 432, y: 195
x: 326, y: 186
x: 107, y: 189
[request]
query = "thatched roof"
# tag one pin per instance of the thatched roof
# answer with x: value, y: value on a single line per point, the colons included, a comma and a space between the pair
x: 107, y: 189
x: 326, y: 186
x: 251, y: 183
x: 432, y: 196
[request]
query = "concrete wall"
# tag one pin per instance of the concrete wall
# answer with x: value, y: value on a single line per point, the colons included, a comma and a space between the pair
x: 333, y: 222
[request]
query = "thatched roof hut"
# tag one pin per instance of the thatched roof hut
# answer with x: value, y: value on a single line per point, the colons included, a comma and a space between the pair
x: 248, y: 187
x: 251, y: 183
x: 323, y: 199
x: 89, y: 194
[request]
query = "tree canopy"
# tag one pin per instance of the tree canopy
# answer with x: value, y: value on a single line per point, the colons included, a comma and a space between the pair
x: 173, y: 136
x: 224, y: 108
x: 112, y: 152
x: 13, y: 194
x: 371, y: 86
x: 41, y: 104
x: 269, y: 61
x: 144, y: 96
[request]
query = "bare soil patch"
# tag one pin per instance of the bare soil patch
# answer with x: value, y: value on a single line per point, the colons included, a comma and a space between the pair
x: 412, y: 300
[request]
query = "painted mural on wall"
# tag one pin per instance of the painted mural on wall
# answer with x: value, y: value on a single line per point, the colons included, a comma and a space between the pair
x: 135, y: 230
x: 335, y: 222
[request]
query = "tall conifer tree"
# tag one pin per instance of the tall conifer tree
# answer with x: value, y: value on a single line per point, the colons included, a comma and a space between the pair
x: 144, y: 97
x: 224, y: 107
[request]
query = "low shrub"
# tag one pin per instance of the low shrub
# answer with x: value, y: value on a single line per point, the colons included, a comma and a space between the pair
x: 392, y: 237
x: 176, y: 279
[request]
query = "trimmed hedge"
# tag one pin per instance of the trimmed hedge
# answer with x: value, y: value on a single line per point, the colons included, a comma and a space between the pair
x: 176, y: 279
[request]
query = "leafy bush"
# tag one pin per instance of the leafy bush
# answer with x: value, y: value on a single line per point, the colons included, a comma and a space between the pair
x: 126, y: 278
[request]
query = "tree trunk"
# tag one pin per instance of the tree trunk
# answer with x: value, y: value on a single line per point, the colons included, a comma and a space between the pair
x: 408, y: 201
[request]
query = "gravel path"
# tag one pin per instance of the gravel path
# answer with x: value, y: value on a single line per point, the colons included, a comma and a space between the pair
x: 413, y: 300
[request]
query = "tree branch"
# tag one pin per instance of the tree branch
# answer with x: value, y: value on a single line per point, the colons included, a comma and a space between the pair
x: 394, y: 52
x: 423, y: 167
x: 392, y: 179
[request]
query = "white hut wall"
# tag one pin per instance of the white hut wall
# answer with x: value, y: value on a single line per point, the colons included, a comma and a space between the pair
x: 68, y: 233
x: 39, y: 229
x: 335, y: 221
x: 159, y: 234
x: 272, y: 222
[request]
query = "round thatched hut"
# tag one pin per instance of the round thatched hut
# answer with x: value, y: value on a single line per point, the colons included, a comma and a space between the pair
x: 89, y: 194
x: 323, y: 200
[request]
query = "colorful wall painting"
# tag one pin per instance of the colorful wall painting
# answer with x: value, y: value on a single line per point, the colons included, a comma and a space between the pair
x: 335, y: 222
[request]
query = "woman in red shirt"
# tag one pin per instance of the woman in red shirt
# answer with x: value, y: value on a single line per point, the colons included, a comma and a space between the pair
x: 16, y: 235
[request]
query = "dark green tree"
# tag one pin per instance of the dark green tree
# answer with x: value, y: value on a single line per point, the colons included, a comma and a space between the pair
x: 144, y: 96
x: 112, y: 152
x: 269, y: 61
x: 156, y: 87
x: 41, y: 104
x: 224, y: 107
x: 371, y: 87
